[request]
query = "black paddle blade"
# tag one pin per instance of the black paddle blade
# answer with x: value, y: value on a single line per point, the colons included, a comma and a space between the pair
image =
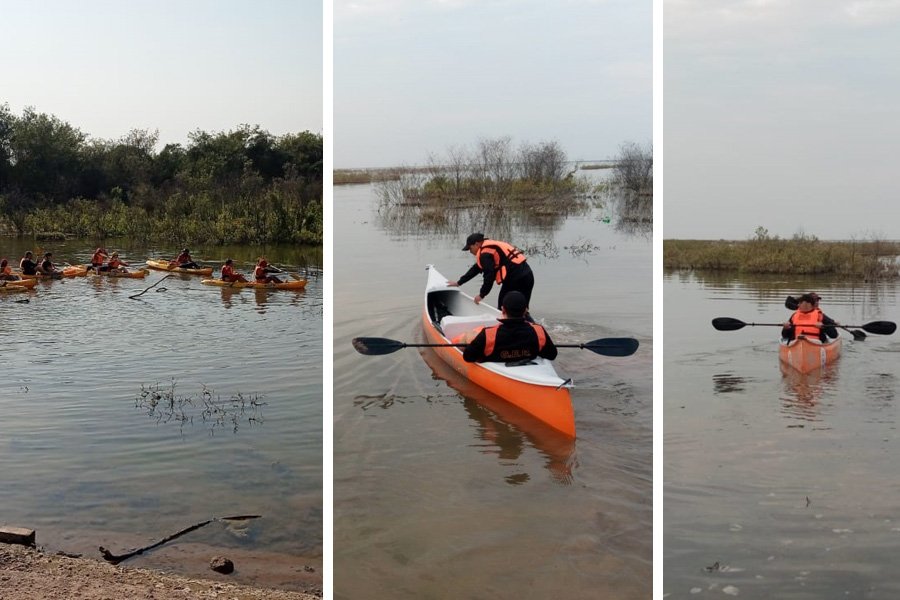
x: 791, y: 303
x: 728, y: 324
x: 612, y: 346
x: 880, y: 327
x: 374, y: 346
x: 858, y: 335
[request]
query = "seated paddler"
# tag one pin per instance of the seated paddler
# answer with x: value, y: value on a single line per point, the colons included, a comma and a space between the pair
x: 514, y: 339
x: 809, y: 321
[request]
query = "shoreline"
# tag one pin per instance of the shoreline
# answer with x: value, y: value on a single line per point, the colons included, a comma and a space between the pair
x: 28, y: 572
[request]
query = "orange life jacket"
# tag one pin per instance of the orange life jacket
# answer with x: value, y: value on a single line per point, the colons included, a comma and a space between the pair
x: 805, y: 323
x: 7, y: 270
x: 260, y: 273
x: 227, y: 271
x: 503, y: 254
x: 490, y: 338
x: 97, y: 259
x: 115, y: 263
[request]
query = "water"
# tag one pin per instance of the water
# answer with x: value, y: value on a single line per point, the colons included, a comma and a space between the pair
x: 438, y: 486
x: 776, y: 484
x: 85, y: 463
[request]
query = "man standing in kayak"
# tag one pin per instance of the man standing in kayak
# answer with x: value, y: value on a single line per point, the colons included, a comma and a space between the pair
x: 810, y: 321
x: 500, y: 262
x: 514, y: 339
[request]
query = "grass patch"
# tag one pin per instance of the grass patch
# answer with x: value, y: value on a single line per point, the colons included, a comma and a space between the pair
x: 867, y: 260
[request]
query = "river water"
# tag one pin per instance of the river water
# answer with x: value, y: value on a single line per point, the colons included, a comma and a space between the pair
x: 86, y: 460
x: 778, y: 485
x: 439, y: 489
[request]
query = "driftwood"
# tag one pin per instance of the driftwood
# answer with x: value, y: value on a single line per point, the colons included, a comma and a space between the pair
x: 151, y: 287
x: 117, y: 558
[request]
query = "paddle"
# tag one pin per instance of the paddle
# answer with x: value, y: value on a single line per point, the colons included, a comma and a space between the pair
x: 792, y: 303
x: 374, y: 346
x: 732, y: 324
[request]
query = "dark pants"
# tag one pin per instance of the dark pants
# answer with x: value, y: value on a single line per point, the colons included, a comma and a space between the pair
x: 523, y: 282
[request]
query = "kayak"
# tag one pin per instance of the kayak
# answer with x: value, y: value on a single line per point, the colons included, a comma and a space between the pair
x: 296, y: 284
x: 163, y: 265
x: 127, y: 274
x: 805, y: 355
x: 534, y: 387
x: 71, y: 271
x: 23, y: 283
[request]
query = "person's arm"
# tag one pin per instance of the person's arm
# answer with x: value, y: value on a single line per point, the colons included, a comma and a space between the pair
x: 787, y: 331
x: 489, y: 269
x: 828, y: 325
x: 474, y: 350
x: 472, y: 272
x: 549, y: 350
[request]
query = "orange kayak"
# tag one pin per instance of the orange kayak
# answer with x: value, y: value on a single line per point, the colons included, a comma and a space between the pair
x: 805, y: 355
x: 296, y: 284
x: 163, y: 265
x: 70, y: 271
x: 127, y: 274
x: 12, y: 288
x: 535, y: 387
x: 26, y: 283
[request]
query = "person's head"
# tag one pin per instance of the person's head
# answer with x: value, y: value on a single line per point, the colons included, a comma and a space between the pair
x: 48, y: 254
x: 115, y: 255
x: 28, y: 254
x: 514, y: 305
x: 807, y: 302
x: 185, y: 251
x: 228, y: 261
x: 3, y: 263
x: 101, y: 250
x: 263, y: 262
x: 473, y: 243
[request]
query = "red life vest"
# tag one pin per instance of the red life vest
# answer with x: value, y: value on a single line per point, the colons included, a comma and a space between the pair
x: 805, y: 323
x: 115, y: 263
x: 260, y: 273
x: 97, y: 259
x: 7, y: 270
x: 490, y: 338
x: 227, y: 271
x: 503, y: 254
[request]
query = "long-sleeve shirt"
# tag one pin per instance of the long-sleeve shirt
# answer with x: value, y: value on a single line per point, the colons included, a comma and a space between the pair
x: 516, y: 340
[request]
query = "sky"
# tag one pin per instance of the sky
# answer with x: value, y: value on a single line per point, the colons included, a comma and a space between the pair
x: 782, y: 114
x: 416, y: 77
x: 107, y: 66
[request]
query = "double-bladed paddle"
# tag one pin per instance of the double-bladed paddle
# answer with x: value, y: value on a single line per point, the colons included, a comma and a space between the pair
x: 732, y: 324
x: 374, y: 346
x: 792, y: 303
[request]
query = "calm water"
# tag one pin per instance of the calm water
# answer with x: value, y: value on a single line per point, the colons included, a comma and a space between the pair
x: 778, y: 485
x: 85, y: 464
x: 440, y: 490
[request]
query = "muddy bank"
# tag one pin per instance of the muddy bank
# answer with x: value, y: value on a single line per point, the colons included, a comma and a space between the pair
x: 31, y: 573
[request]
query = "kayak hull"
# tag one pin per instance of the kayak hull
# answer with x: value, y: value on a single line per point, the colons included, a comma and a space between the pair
x: 163, y: 265
x: 124, y: 274
x: 26, y: 282
x: 66, y: 272
x: 805, y: 355
x: 535, y: 388
x: 296, y: 284
x: 12, y: 289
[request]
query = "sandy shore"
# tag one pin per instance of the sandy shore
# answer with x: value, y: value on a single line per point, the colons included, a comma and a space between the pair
x: 32, y: 574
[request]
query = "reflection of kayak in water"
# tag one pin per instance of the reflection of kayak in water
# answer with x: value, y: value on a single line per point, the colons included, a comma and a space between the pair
x: 504, y: 425
x: 163, y: 265
x: 533, y: 387
x: 297, y: 284
x: 805, y: 355
x: 11, y: 288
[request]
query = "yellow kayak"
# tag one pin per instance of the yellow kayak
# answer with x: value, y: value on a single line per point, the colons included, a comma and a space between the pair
x: 297, y: 284
x: 163, y: 265
x: 22, y: 283
x: 12, y: 289
x: 127, y: 274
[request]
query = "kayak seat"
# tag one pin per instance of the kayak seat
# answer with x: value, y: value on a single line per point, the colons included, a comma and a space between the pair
x: 453, y: 326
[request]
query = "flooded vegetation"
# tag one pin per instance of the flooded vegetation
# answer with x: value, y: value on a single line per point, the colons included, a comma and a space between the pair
x: 867, y: 260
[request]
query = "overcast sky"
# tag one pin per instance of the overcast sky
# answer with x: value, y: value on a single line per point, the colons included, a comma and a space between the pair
x: 782, y: 114
x: 413, y: 77
x: 109, y: 66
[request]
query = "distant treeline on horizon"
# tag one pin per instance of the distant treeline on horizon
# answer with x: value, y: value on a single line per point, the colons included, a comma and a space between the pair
x: 240, y: 186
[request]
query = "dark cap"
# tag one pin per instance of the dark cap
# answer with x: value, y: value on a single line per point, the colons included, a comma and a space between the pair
x: 472, y: 239
x: 228, y: 261
x: 515, y: 304
x: 48, y: 254
x: 812, y: 298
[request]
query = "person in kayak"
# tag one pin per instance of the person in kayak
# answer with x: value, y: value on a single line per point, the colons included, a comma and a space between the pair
x: 97, y: 260
x: 6, y: 273
x: 184, y: 261
x: 262, y: 270
x: 499, y: 262
x: 809, y: 320
x: 116, y: 264
x: 229, y: 274
x: 47, y: 268
x: 514, y: 339
x: 27, y: 265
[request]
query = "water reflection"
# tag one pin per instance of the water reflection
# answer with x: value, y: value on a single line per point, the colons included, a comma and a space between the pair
x: 506, y: 430
x: 803, y: 391
x: 726, y: 383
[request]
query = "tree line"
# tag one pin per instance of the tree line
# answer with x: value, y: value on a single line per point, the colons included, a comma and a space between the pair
x: 241, y: 186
